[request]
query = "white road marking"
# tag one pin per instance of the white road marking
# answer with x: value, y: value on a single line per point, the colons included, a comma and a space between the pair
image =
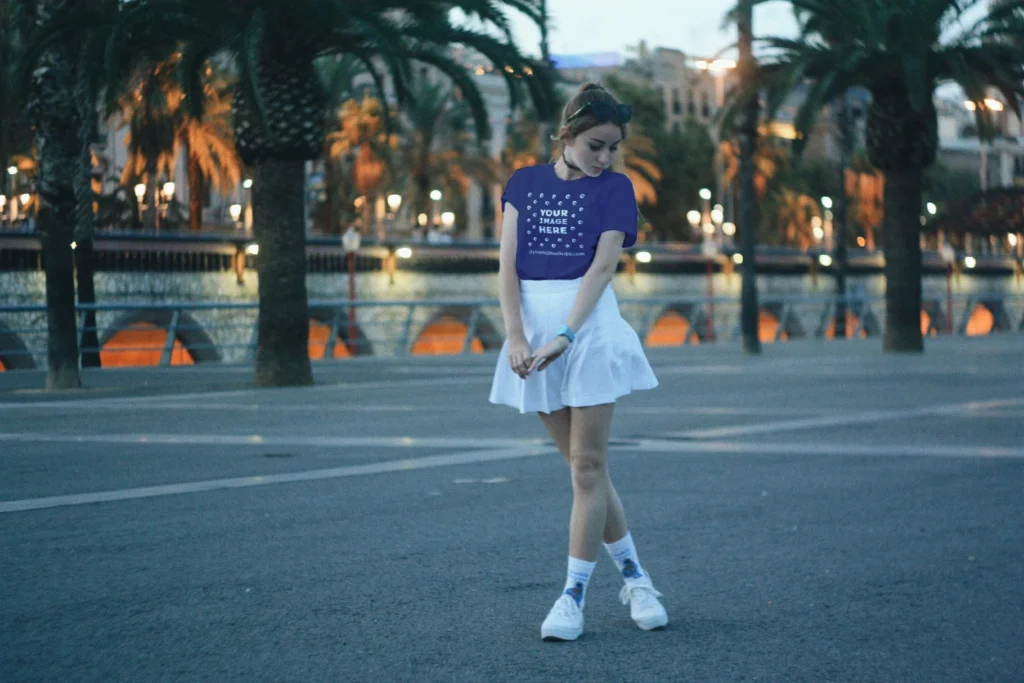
x: 262, y: 441
x: 443, y: 460
x: 213, y: 396
x: 649, y: 446
x: 844, y: 449
x: 951, y: 409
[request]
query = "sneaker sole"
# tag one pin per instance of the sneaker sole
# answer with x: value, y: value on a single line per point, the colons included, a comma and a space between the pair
x: 552, y: 635
x: 653, y: 623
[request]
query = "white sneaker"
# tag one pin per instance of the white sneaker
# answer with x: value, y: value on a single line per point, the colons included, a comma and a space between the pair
x: 643, y: 603
x: 564, y: 621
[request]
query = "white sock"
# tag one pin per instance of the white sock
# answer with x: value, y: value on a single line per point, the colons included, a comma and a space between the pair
x: 624, y: 553
x: 578, y: 577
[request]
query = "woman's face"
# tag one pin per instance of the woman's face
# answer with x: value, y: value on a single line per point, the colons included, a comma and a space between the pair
x: 595, y: 149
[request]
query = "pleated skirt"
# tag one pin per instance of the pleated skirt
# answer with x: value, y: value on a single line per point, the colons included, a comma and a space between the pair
x: 606, y: 361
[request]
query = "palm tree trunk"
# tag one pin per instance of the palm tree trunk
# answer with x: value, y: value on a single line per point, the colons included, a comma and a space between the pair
x: 56, y: 122
x: 902, y: 245
x: 282, y: 354
x: 749, y: 311
x: 196, y: 192
x: 85, y: 219
x: 839, y: 220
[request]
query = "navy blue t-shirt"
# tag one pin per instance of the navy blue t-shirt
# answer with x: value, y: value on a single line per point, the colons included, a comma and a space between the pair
x: 560, y: 221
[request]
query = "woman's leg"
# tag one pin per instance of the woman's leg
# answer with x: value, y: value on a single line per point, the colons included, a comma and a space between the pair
x: 588, y: 463
x: 559, y: 426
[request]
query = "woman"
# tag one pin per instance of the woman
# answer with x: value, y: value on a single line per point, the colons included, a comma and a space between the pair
x: 569, y: 354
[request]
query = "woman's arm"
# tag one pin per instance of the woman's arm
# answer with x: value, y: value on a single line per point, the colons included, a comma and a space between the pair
x: 508, y: 293
x: 597, y: 277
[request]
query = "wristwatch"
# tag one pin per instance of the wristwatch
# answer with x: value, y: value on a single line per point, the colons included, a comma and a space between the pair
x: 564, y: 331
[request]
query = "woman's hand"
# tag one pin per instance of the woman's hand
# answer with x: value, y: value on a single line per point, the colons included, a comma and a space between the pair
x: 519, y: 355
x: 549, y: 353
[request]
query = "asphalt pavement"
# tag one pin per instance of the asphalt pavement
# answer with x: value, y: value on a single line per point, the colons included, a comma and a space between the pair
x: 823, y: 513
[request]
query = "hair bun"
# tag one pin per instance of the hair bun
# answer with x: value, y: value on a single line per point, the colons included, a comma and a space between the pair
x: 591, y: 86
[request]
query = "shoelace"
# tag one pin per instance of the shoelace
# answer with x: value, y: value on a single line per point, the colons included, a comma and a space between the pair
x: 643, y: 595
x: 567, y: 607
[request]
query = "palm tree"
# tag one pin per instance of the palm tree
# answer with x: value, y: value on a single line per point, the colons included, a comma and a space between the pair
x: 436, y: 149
x: 339, y: 75
x: 16, y: 131
x: 746, y: 130
x: 361, y: 146
x: 279, y: 106
x: 54, y: 113
x: 161, y: 126
x: 900, y: 52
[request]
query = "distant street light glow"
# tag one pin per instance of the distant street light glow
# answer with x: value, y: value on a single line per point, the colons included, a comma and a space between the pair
x: 403, y: 252
x: 825, y: 260
x: 643, y: 256
x: 970, y: 261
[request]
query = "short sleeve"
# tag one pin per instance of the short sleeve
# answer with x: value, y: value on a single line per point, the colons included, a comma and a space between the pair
x: 513, y: 193
x: 620, y: 210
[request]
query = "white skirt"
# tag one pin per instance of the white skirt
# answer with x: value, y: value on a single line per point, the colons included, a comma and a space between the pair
x: 605, y: 362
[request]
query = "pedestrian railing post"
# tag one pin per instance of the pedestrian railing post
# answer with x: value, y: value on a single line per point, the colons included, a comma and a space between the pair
x: 172, y: 336
x: 474, y: 321
x: 403, y: 340
x: 332, y: 338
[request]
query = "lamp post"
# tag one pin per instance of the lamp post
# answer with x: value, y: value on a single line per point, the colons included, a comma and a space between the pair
x: 826, y: 203
x: 948, y: 258
x: 168, y: 194
x: 394, y: 204
x: 694, y: 218
x: 709, y: 248
x: 350, y: 243
x: 986, y: 104
x: 717, y: 217
x: 236, y: 214
x: 11, y: 172
x: 435, y: 196
x: 140, y: 204
x: 247, y: 209
x: 718, y: 69
x: 447, y: 220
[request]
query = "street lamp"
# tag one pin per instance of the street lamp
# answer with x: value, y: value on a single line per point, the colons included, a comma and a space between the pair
x: 236, y: 213
x: 350, y: 241
x: 816, y: 229
x: 932, y: 209
x: 709, y: 248
x: 394, y: 202
x: 948, y: 258
x: 448, y: 220
x: 694, y: 218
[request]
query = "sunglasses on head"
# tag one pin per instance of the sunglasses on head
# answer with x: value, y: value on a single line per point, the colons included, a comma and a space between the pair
x: 602, y: 111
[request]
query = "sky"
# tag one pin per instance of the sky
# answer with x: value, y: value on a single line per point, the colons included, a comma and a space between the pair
x: 693, y: 26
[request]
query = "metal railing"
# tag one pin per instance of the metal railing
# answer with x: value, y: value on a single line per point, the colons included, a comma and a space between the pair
x: 193, y: 332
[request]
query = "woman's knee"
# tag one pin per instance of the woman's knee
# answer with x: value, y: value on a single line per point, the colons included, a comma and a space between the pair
x: 589, y: 470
